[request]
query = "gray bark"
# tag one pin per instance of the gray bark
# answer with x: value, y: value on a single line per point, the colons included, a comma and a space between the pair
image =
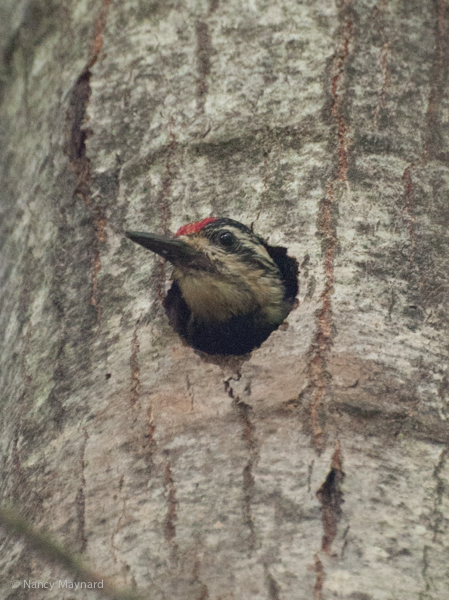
x: 316, y: 468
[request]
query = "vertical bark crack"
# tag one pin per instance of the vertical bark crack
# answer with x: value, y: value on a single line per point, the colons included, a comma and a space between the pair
x: 439, y: 493
x: 272, y: 585
x: 172, y: 505
x: 409, y: 215
x: 433, y: 140
x: 75, y: 146
x: 151, y: 442
x: 203, y: 589
x: 319, y: 581
x: 243, y: 411
x: 318, y: 376
x: 337, y: 97
x: 190, y: 392
x: 331, y: 499
x: 121, y: 523
x: 135, y: 367
x: 80, y: 500
x: 425, y: 560
x: 384, y: 54
x: 203, y: 53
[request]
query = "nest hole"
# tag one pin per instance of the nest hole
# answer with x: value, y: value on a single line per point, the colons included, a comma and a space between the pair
x: 240, y: 334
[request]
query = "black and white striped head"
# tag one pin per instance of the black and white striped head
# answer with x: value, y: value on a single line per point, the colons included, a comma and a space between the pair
x: 230, y: 246
x: 223, y: 269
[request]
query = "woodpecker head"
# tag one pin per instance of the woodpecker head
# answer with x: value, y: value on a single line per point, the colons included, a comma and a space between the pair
x: 223, y: 270
x: 231, y: 289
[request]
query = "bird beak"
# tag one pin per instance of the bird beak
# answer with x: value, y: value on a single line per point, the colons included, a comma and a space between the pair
x: 178, y: 252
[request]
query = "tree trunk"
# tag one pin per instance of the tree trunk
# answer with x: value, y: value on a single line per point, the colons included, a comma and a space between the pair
x: 317, y: 468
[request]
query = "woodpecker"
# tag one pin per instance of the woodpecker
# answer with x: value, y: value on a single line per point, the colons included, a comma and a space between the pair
x: 230, y: 288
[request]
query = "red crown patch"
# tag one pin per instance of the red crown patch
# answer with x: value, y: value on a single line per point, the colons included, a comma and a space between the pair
x: 191, y: 228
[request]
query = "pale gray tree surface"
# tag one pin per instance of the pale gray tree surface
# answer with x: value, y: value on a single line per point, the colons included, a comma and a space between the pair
x: 315, y: 469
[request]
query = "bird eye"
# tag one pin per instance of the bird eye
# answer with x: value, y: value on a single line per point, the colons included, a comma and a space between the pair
x: 227, y: 238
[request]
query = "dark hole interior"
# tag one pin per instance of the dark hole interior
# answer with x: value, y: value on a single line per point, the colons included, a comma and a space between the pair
x: 238, y: 335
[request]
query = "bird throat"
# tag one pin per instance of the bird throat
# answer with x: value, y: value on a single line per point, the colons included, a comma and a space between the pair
x: 211, y: 298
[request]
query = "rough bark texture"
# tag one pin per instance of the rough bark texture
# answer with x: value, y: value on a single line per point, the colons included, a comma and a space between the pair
x: 318, y: 467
